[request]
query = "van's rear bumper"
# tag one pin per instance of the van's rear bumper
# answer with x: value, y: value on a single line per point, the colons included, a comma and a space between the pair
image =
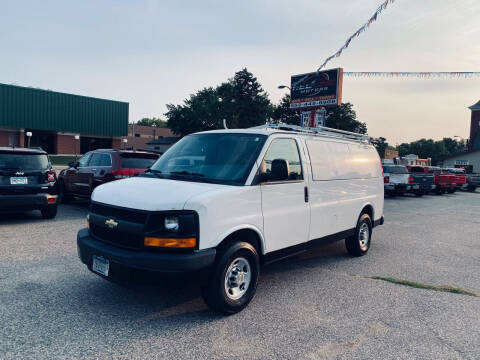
x: 124, y: 260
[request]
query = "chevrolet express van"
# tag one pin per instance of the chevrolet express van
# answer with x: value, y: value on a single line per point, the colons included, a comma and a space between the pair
x: 228, y: 201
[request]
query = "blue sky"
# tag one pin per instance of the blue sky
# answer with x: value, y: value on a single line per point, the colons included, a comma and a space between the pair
x: 151, y: 53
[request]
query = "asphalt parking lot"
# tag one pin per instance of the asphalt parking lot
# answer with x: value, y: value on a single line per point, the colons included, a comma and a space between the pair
x: 318, y: 305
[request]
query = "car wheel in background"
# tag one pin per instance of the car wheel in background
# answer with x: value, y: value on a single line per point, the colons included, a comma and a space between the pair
x: 359, y: 243
x: 233, y: 281
x: 65, y: 197
x: 49, y: 212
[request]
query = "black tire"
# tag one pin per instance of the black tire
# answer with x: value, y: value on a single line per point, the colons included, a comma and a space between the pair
x: 65, y: 197
x: 355, y: 244
x: 214, y: 291
x: 419, y: 194
x: 49, y: 212
x: 472, y: 188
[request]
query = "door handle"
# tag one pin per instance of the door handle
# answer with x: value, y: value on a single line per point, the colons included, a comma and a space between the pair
x: 94, y: 169
x: 305, y: 193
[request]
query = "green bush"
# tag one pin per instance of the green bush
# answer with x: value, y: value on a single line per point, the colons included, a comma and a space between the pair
x: 60, y: 160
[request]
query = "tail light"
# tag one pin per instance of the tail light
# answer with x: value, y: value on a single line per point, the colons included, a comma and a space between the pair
x: 386, y: 179
x: 123, y: 173
x: 410, y: 179
x: 51, y: 176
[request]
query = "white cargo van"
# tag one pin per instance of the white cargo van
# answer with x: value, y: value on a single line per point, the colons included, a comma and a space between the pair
x: 230, y: 200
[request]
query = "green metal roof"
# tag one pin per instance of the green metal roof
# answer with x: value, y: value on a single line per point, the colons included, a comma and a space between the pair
x: 37, y: 109
x: 475, y: 106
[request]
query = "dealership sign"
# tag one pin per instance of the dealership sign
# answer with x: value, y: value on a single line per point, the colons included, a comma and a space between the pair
x: 316, y: 89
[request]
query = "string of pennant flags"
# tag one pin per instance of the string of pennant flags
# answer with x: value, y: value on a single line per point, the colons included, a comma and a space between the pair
x: 410, y: 74
x: 364, y: 27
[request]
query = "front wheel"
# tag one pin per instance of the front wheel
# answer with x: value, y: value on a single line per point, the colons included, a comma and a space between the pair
x: 233, y: 281
x: 359, y: 243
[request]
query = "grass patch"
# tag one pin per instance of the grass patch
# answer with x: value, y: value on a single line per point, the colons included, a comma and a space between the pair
x: 61, y: 160
x: 443, y: 288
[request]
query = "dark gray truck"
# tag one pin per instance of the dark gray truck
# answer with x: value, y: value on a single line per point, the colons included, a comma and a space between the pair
x: 422, y: 183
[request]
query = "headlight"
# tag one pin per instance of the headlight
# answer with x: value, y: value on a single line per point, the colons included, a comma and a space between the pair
x: 171, y: 223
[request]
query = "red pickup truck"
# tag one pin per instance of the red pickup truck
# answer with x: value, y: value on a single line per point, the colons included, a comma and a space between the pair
x: 444, y: 182
x: 460, y: 177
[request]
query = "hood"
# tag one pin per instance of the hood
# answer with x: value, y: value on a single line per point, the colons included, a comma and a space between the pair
x: 150, y: 194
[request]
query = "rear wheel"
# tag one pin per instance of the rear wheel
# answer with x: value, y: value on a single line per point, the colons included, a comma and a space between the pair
x: 472, y: 188
x: 49, y: 212
x: 233, y: 281
x: 359, y: 243
x: 418, y: 193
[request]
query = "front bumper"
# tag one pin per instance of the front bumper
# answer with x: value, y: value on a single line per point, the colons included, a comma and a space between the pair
x: 23, y: 202
x: 123, y: 260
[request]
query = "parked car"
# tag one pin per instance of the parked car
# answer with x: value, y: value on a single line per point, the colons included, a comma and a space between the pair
x: 397, y: 180
x: 101, y: 166
x: 473, y: 181
x: 460, y: 178
x: 422, y: 183
x: 27, y: 182
x: 227, y: 201
x: 444, y: 182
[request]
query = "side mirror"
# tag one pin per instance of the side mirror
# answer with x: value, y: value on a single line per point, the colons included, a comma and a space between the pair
x: 73, y: 164
x: 280, y: 170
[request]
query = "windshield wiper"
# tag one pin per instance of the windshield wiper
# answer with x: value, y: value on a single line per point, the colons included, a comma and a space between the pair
x: 187, y: 173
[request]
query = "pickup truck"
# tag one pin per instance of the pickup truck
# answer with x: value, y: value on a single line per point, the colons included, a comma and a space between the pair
x: 396, y: 180
x: 460, y: 177
x: 422, y: 183
x: 444, y: 182
x: 473, y: 181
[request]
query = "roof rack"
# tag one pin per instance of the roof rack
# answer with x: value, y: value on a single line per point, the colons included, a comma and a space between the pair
x: 320, y: 130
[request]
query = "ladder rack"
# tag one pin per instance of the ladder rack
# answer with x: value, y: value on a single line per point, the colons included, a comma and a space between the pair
x: 321, y: 130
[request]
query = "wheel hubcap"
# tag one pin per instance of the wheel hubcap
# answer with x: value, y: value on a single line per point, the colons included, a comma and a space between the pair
x: 237, y: 278
x: 364, y: 236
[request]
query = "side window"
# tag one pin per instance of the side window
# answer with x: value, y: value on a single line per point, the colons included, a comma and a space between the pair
x: 100, y: 160
x: 106, y: 160
x: 281, y: 162
x: 84, y: 160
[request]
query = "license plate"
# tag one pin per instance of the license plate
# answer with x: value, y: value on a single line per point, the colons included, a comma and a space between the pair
x: 100, y: 265
x: 18, y: 181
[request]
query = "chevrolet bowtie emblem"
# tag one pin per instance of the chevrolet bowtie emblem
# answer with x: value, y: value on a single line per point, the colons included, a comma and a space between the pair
x: 19, y: 173
x: 111, y: 223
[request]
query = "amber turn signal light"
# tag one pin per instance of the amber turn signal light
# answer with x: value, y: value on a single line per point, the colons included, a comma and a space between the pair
x: 170, y: 243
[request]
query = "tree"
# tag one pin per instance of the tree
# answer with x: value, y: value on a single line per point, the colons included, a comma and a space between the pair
x: 283, y: 114
x: 157, y: 122
x: 244, y: 102
x: 343, y: 117
x: 429, y: 148
x: 381, y: 145
x: 202, y: 111
x: 241, y: 101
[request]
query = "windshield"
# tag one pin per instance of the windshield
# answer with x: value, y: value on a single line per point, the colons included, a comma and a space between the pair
x: 23, y: 162
x: 221, y: 158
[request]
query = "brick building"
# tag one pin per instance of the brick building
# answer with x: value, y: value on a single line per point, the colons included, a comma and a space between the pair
x: 474, y: 143
x: 139, y: 136
x: 60, y: 123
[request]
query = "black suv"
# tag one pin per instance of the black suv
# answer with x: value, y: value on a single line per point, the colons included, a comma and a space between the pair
x: 27, y: 182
